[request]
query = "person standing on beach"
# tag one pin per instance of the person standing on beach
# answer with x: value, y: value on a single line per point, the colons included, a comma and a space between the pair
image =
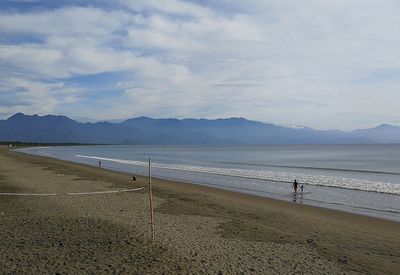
x: 99, y: 164
x: 295, y: 184
x: 302, y: 188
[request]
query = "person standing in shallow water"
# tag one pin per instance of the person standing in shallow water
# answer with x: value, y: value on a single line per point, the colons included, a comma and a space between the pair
x: 295, y: 184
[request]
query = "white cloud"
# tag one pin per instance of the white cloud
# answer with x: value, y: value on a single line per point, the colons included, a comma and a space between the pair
x: 173, y: 7
x: 315, y: 63
x: 68, y: 21
x: 30, y: 96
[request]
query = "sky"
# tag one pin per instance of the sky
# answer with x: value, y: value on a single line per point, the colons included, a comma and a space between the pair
x: 332, y: 64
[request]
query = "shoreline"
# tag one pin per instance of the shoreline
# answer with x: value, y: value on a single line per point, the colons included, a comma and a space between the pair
x: 216, y: 221
x: 186, y: 186
x: 336, y: 204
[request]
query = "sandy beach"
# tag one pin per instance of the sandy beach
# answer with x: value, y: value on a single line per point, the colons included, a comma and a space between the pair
x: 198, y: 230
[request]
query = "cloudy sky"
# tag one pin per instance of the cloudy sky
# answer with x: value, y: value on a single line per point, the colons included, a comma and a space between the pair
x: 332, y: 64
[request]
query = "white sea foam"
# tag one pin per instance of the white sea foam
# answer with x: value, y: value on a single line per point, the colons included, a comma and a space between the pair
x: 321, y: 180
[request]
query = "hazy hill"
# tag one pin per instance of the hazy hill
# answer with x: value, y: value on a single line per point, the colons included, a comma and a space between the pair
x: 144, y: 130
x: 383, y: 133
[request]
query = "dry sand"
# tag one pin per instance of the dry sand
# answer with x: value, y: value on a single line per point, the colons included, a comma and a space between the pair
x: 199, y: 230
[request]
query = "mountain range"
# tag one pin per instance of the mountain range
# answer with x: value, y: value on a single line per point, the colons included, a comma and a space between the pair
x: 144, y: 130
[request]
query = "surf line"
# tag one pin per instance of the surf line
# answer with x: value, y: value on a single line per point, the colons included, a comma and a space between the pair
x: 72, y: 194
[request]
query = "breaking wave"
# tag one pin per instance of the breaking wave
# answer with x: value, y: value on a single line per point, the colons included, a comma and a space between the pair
x: 277, y: 176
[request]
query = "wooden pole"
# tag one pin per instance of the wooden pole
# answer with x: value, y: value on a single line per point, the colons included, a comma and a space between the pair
x: 151, y: 204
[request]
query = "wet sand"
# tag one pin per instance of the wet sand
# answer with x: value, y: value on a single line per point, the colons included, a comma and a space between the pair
x: 199, y: 230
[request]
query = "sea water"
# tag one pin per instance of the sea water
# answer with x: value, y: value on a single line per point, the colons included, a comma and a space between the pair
x: 364, y: 179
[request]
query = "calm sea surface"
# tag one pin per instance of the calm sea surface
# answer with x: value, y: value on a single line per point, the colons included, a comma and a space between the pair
x: 364, y: 179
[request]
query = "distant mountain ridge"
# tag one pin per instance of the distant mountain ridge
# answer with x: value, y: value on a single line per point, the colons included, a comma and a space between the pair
x: 383, y: 133
x: 145, y: 130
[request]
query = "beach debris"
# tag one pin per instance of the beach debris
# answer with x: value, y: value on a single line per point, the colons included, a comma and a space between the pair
x: 343, y: 259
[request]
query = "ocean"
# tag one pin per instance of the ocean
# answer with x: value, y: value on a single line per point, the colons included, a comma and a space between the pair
x: 363, y: 179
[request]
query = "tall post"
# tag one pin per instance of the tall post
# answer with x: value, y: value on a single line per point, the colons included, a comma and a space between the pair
x: 151, y: 203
